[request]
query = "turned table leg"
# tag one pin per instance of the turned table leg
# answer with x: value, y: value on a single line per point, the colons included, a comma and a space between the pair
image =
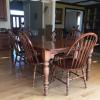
x: 88, y: 65
x: 46, y: 71
x: 46, y: 78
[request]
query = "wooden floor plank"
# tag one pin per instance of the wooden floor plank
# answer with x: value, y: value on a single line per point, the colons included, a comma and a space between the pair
x: 12, y: 88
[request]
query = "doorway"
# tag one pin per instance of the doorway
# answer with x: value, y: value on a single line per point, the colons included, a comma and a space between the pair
x: 16, y: 15
x: 73, y: 18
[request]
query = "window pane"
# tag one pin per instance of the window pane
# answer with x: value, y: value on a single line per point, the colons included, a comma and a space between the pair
x: 22, y: 21
x: 78, y: 20
x: 14, y: 22
x: 17, y: 20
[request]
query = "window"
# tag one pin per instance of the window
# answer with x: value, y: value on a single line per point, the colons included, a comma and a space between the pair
x: 17, y: 18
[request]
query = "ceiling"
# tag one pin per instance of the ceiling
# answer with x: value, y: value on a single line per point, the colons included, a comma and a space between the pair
x: 77, y: 2
x: 82, y: 2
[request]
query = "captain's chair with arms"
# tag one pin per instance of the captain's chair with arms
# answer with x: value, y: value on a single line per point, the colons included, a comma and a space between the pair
x: 74, y: 60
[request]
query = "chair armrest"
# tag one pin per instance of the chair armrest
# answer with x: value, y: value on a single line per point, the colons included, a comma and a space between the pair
x: 59, y: 50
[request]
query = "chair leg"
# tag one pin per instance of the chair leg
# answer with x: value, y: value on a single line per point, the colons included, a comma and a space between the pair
x: 34, y: 73
x: 67, y: 82
x: 12, y: 64
x: 84, y: 78
x: 53, y: 70
x: 20, y: 65
x: 16, y: 67
x: 15, y: 62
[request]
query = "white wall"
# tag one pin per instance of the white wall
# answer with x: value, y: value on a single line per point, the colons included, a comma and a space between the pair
x: 49, y: 14
x: 6, y: 24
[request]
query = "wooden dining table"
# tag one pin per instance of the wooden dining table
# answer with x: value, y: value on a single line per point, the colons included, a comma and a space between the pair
x: 48, y: 53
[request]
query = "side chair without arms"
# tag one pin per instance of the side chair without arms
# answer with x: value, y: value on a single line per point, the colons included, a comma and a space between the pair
x: 73, y: 61
x: 32, y: 54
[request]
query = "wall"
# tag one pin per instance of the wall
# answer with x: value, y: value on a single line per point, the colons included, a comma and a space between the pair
x: 16, y: 5
x: 36, y: 15
x: 26, y: 14
x: 6, y: 24
x: 49, y: 14
x: 33, y: 15
x: 64, y: 6
x: 70, y: 20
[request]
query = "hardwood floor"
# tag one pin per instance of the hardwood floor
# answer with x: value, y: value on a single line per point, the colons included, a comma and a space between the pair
x: 12, y: 88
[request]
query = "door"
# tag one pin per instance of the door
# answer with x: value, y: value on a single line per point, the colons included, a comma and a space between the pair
x: 73, y: 18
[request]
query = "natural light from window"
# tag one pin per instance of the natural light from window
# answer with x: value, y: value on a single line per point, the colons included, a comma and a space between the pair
x: 78, y: 20
x: 17, y: 17
x: 16, y: 12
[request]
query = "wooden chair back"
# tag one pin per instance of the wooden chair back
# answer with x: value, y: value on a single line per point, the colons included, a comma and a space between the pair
x: 30, y: 52
x: 59, y: 38
x: 79, y: 51
x: 71, y: 37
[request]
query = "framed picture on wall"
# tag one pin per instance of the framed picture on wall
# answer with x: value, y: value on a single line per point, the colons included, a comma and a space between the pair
x: 59, y: 13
